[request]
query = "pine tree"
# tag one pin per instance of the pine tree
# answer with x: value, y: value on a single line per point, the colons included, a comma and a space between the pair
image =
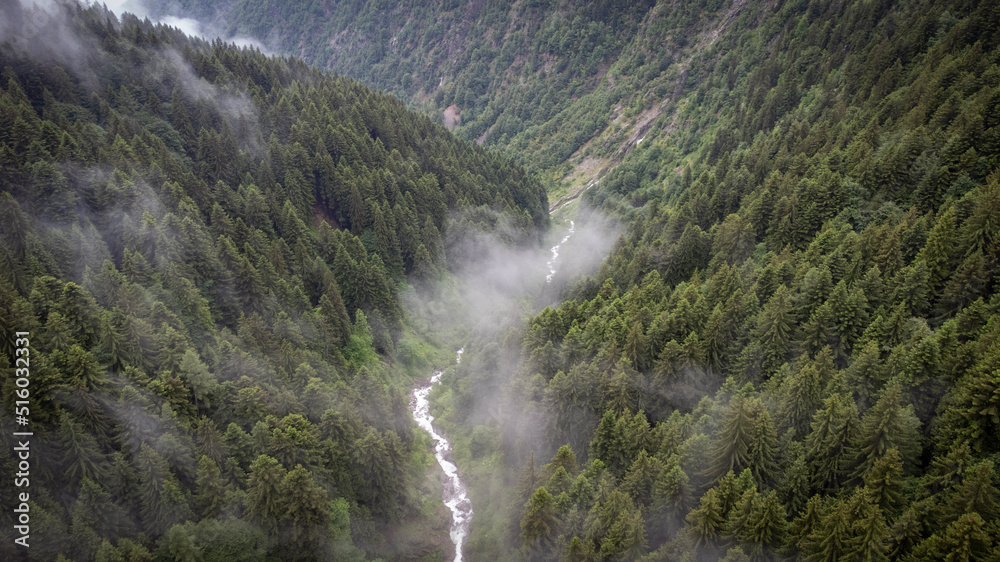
x: 774, y: 328
x: 832, y: 539
x: 804, y: 525
x: 763, y: 447
x: 733, y: 445
x: 796, y: 483
x: 527, y: 483
x: 887, y: 425
x: 973, y: 415
x: 163, y: 502
x: 967, y: 284
x: 975, y: 494
x: 264, y: 501
x: 175, y: 508
x: 912, y: 288
x: 609, y: 444
x: 763, y: 531
x: 828, y: 446
x: 539, y: 521
x: 746, y: 440
x: 371, y: 458
x: 306, y: 510
x: 580, y: 550
x: 883, y: 482
x: 870, y: 530
x: 908, y: 529
x: 850, y: 312
x: 801, y: 391
x: 937, y: 252
x: 673, y: 495
x: 81, y: 456
x: 706, y: 522
x: 617, y: 526
x: 210, y: 489
x: 94, y: 516
x: 210, y: 441
x: 197, y: 376
x: 820, y: 330
x: 965, y: 539
x: 565, y: 459
x: 623, y: 396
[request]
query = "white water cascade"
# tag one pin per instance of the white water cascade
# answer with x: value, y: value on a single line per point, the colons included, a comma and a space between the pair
x: 455, y: 496
x: 551, y: 264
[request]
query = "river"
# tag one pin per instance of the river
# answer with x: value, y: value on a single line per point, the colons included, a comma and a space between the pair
x: 551, y: 264
x: 455, y: 497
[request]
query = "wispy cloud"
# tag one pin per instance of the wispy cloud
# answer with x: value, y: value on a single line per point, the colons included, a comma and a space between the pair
x: 189, y: 26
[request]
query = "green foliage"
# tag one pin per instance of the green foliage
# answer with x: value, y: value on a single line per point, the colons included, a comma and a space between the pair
x: 217, y: 540
x: 803, y: 306
x: 791, y: 351
x: 186, y: 225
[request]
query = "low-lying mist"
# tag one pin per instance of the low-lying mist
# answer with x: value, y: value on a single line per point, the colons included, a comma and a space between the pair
x: 494, y: 285
x: 484, y: 305
x: 163, y: 13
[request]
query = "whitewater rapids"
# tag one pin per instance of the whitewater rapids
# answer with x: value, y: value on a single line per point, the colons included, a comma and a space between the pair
x: 455, y: 495
x: 551, y: 264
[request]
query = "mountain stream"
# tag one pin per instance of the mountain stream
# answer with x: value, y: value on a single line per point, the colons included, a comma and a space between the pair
x: 455, y: 496
x: 551, y: 264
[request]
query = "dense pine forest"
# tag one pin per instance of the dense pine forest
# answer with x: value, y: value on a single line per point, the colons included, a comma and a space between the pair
x: 234, y: 265
x: 528, y: 76
x: 208, y: 247
x: 793, y: 351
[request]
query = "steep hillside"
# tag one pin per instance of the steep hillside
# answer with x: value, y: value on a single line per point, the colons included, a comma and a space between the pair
x: 529, y: 75
x: 793, y: 351
x: 206, y: 248
x: 790, y: 353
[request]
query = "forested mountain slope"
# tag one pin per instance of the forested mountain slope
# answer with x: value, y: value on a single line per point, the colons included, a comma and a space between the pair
x: 793, y: 352
x: 529, y: 75
x: 207, y: 247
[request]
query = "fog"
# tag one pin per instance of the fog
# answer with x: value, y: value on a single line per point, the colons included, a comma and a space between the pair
x: 499, y: 277
x: 44, y: 29
x: 495, y: 286
x: 159, y: 14
x: 485, y: 305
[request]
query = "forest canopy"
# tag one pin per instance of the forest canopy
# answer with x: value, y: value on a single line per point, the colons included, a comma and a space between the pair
x: 792, y: 351
x: 207, y: 246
